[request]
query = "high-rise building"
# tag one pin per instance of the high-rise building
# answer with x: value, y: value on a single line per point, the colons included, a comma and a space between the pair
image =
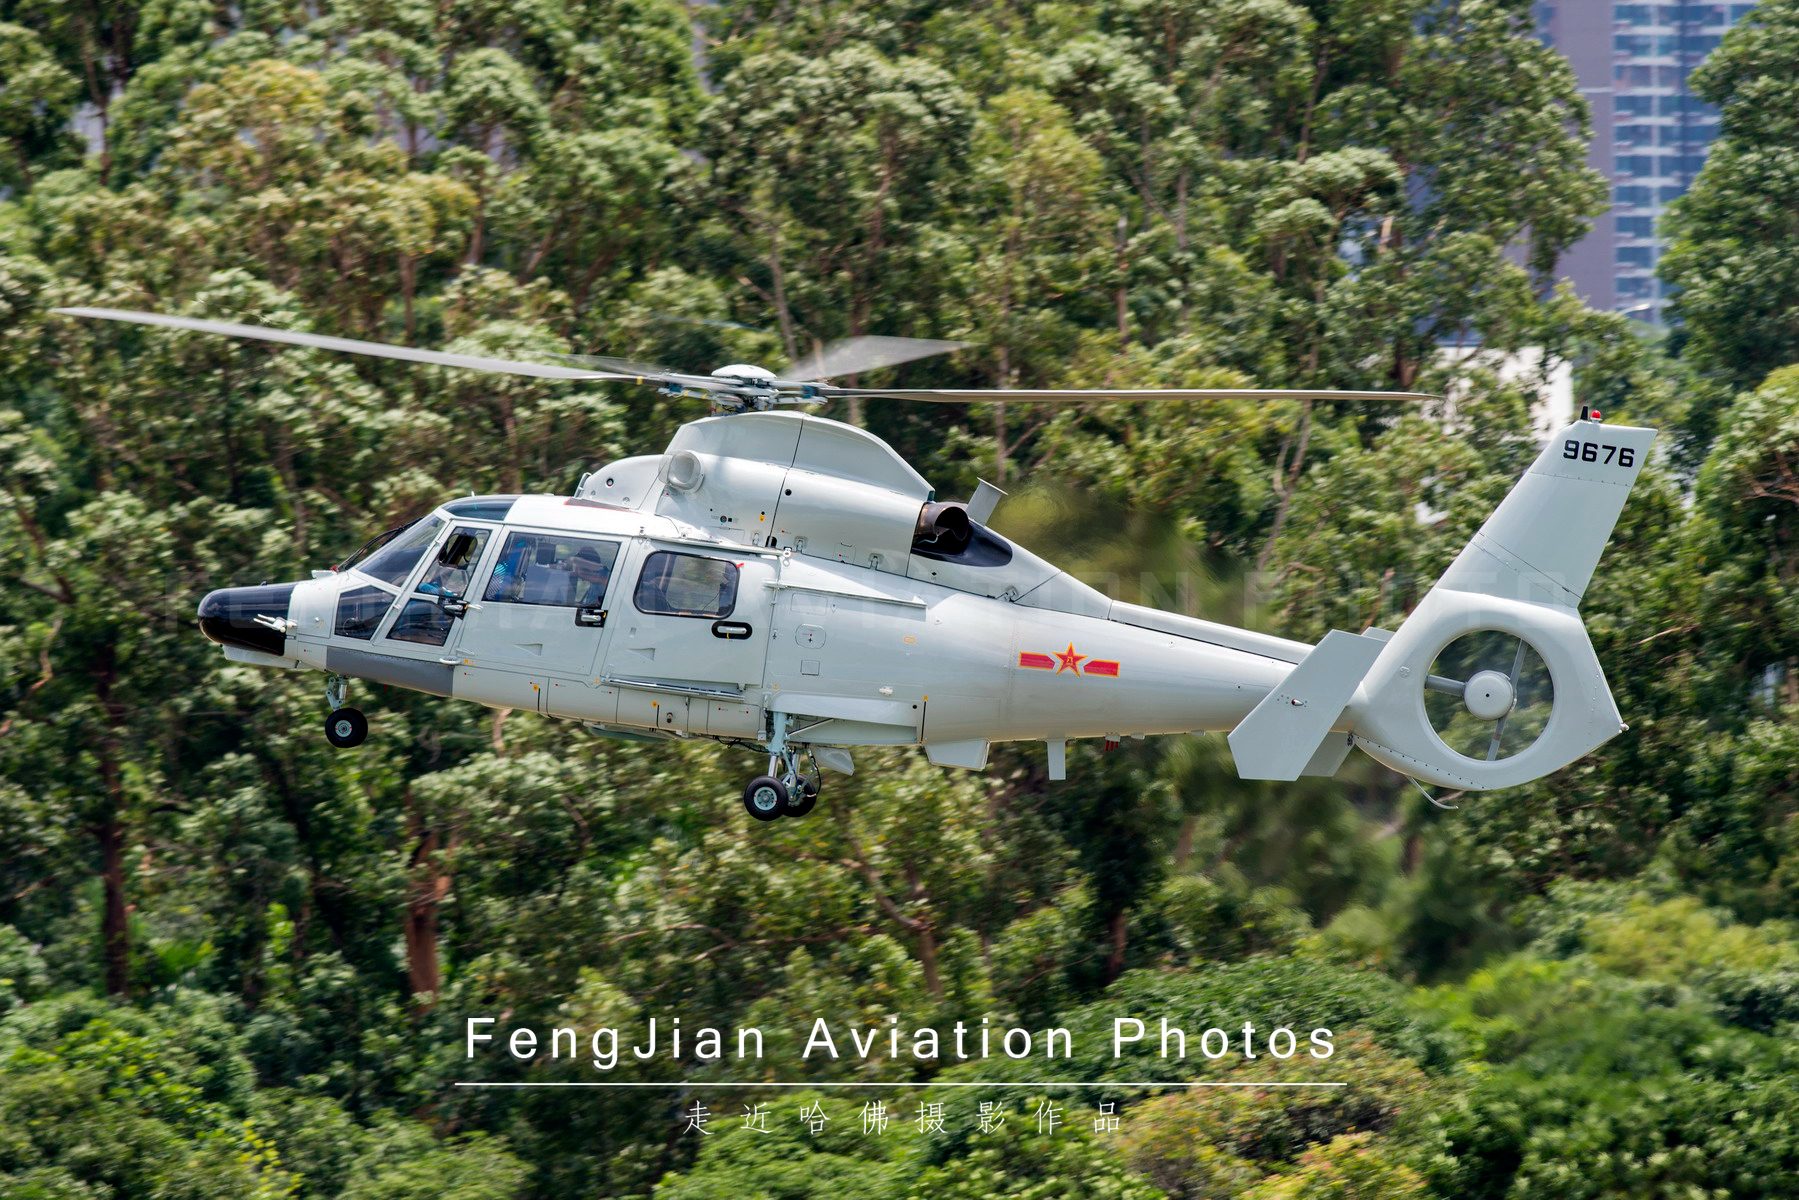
x: 1649, y: 132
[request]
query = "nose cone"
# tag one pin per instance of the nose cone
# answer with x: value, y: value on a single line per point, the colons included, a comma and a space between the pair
x: 228, y: 617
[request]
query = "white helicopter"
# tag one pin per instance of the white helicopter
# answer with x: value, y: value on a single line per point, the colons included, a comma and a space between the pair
x: 781, y: 580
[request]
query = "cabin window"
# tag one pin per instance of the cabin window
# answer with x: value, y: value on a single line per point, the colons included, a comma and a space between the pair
x: 359, y: 612
x: 687, y: 585
x: 554, y: 569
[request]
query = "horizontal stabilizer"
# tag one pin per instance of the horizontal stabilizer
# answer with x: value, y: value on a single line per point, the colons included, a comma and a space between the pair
x: 1281, y: 736
x: 969, y: 754
x: 1329, y: 756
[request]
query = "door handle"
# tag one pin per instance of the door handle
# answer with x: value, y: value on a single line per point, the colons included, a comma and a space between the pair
x: 731, y: 631
x: 591, y: 618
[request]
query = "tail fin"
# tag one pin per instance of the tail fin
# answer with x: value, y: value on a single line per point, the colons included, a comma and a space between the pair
x: 1523, y: 574
x: 1543, y: 541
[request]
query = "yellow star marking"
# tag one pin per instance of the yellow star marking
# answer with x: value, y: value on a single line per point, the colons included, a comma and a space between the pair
x: 1069, y: 660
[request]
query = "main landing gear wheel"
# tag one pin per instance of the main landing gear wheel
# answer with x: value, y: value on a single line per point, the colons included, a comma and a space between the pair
x: 802, y: 795
x: 346, y: 727
x: 765, y: 797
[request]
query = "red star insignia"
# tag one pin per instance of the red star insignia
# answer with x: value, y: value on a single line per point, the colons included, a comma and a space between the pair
x: 1069, y: 660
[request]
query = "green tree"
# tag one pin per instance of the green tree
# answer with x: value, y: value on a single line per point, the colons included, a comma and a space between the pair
x: 1733, y: 234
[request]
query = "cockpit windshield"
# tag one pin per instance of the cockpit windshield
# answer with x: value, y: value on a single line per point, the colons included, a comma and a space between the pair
x: 396, y: 554
x: 369, y: 547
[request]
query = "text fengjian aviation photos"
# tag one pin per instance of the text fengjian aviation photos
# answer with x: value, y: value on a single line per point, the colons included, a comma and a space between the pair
x: 606, y: 1047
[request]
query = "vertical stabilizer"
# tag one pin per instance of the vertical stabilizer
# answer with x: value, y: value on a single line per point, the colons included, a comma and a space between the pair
x: 1544, y: 540
x: 1520, y: 578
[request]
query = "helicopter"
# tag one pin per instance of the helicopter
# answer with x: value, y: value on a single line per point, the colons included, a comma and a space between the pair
x: 782, y: 581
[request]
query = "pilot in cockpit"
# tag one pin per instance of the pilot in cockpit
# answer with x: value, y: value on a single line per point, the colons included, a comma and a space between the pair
x: 591, y: 575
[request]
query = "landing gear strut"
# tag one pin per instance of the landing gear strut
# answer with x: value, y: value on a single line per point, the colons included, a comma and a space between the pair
x: 345, y: 727
x: 785, y: 791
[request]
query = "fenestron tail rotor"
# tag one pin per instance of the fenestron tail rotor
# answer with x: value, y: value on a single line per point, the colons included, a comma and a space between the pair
x: 1489, y: 695
x: 741, y: 387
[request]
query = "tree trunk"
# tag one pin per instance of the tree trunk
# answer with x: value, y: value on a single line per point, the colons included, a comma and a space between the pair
x: 423, y: 976
x: 1287, y: 488
x: 927, y: 959
x: 1120, y: 298
x: 1000, y: 449
x: 513, y: 470
x: 1115, y: 960
x: 115, y: 933
x: 408, y: 291
x: 778, y: 280
x: 430, y: 888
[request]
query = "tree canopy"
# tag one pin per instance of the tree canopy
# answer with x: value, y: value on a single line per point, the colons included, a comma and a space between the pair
x: 235, y: 961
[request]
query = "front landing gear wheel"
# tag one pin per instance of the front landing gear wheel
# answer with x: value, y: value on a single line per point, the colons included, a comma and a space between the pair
x: 346, y: 727
x: 802, y: 795
x: 765, y: 797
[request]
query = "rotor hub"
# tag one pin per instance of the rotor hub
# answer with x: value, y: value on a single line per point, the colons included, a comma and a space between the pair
x: 1489, y: 695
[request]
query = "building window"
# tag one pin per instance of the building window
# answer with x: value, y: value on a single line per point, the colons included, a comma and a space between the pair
x: 1701, y: 14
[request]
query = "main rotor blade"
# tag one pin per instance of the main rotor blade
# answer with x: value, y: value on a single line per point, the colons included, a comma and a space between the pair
x: 262, y: 333
x: 616, y: 366
x: 854, y: 355
x: 1074, y: 395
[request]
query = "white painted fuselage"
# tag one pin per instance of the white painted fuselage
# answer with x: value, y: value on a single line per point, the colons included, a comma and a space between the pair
x: 854, y: 656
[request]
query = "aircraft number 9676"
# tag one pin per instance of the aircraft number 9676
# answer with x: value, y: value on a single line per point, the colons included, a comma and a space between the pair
x: 1598, y: 452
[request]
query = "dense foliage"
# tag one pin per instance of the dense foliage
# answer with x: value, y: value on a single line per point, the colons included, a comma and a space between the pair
x: 234, y: 961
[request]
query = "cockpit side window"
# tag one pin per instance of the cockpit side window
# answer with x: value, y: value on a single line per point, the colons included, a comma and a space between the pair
x: 448, y: 573
x: 452, y: 577
x: 360, y: 611
x: 686, y: 585
x: 394, y: 562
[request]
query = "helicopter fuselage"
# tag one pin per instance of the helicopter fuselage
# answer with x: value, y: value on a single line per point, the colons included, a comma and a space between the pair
x: 848, y: 655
